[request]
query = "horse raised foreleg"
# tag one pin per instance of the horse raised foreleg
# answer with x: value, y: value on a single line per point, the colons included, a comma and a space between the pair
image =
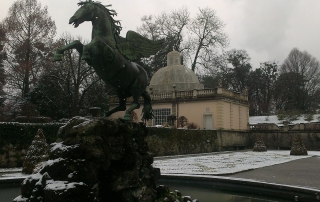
x: 75, y: 44
x: 87, y: 50
x: 86, y: 55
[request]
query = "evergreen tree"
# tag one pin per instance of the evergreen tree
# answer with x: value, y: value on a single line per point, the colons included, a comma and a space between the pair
x: 29, y: 31
x: 2, y: 58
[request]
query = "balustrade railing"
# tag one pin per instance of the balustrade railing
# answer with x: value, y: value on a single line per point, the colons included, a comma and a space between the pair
x: 190, y: 94
x: 206, y: 92
x: 183, y: 94
x: 160, y: 96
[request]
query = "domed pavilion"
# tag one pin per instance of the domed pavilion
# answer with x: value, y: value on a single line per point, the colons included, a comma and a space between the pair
x: 178, y: 95
x: 174, y: 76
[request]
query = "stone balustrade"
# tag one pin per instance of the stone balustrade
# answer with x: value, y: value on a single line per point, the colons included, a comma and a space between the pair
x: 206, y: 92
x: 191, y: 94
x: 184, y: 94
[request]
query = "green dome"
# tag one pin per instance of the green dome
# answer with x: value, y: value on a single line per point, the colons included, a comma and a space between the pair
x: 174, y: 74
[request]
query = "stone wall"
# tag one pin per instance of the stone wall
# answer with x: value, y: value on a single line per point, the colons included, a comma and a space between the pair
x: 164, y: 141
x: 283, y: 140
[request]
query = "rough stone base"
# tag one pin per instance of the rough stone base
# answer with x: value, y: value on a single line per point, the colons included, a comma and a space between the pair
x: 98, y: 160
x: 259, y: 145
x: 95, y: 160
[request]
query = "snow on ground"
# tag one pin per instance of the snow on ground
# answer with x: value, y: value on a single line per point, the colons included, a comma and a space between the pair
x: 13, y: 175
x: 225, y: 163
x: 218, y: 163
x: 5, y: 170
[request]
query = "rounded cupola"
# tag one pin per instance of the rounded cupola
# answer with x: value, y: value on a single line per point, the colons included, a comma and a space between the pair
x: 174, y: 76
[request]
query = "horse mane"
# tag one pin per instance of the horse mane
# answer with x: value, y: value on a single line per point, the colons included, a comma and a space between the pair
x: 116, y: 23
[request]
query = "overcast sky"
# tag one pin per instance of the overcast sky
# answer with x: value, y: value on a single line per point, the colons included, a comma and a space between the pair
x: 266, y: 29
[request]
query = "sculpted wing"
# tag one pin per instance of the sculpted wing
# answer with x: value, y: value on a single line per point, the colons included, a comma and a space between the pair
x: 135, y: 46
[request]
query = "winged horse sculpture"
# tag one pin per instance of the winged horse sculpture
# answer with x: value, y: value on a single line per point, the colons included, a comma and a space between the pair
x: 113, y: 56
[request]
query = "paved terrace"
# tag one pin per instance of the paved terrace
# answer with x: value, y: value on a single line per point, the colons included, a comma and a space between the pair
x: 271, y: 166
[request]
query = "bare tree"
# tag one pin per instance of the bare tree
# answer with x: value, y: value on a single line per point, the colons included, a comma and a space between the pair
x: 307, y: 69
x: 233, y: 68
x: 30, y: 31
x: 288, y: 92
x: 172, y: 27
x: 306, y: 65
x: 206, y: 36
x: 261, y: 88
x: 197, y: 39
x: 67, y: 87
x: 2, y: 57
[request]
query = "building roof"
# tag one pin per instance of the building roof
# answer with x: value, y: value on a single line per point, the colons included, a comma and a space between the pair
x: 253, y: 120
x: 174, y: 76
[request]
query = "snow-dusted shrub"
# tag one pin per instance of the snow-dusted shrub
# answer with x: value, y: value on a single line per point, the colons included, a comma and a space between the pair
x: 15, y: 139
x: 298, y: 147
x: 37, y: 152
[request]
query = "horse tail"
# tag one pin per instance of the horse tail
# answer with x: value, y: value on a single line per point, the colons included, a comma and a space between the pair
x: 147, y: 111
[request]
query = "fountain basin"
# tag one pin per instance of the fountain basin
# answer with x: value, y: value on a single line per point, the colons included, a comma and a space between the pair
x: 205, y: 186
x: 208, y: 188
x: 10, y: 188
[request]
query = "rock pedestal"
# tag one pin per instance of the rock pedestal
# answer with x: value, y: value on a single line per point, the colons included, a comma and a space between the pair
x: 259, y: 145
x: 98, y: 160
x: 298, y: 147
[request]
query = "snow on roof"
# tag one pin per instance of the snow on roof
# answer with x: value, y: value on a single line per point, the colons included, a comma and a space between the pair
x: 274, y: 119
x: 5, y: 170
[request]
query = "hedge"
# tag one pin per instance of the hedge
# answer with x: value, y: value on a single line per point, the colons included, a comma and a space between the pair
x: 21, y: 134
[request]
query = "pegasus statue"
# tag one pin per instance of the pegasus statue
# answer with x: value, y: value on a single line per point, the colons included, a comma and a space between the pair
x: 113, y: 57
